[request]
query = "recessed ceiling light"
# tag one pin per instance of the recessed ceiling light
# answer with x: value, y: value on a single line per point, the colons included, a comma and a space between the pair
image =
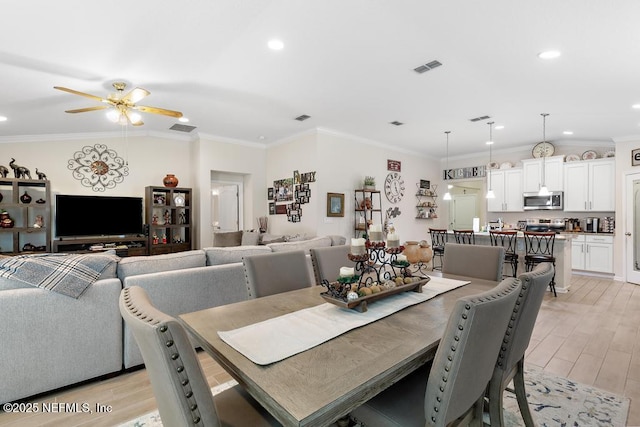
x: 489, y: 142
x: 3, y: 119
x: 183, y: 120
x: 549, y: 54
x: 262, y: 137
x: 568, y: 132
x: 498, y: 127
x: 275, y: 44
x: 636, y: 106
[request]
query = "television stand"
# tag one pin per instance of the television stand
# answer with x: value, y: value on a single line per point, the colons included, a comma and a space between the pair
x: 123, y: 245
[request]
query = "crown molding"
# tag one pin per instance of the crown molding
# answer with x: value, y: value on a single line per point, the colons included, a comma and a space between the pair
x: 93, y: 136
x: 218, y: 138
x: 371, y: 142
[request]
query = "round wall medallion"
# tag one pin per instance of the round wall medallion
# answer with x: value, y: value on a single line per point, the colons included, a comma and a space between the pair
x: 98, y: 167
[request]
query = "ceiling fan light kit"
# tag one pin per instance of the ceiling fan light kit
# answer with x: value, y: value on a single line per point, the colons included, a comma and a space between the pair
x: 122, y: 107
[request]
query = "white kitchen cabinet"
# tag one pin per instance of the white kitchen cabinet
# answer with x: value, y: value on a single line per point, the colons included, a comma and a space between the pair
x: 590, y: 186
x: 507, y: 186
x: 592, y: 253
x: 532, y: 174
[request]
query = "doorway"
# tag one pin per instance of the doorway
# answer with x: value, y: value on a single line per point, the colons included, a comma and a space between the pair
x: 632, y: 228
x: 225, y: 206
x: 464, y: 208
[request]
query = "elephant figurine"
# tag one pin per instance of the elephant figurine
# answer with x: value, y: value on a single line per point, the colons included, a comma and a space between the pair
x: 4, y: 171
x: 19, y: 171
x: 41, y: 175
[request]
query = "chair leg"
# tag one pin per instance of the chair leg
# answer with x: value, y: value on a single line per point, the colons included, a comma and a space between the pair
x: 514, y: 267
x: 552, y: 284
x: 521, y: 394
x: 496, y: 392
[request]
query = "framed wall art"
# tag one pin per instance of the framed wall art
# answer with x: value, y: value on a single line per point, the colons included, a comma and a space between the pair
x: 270, y: 193
x: 335, y: 204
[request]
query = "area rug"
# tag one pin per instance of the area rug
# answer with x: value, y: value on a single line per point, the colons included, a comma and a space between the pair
x: 557, y: 401
x: 554, y: 402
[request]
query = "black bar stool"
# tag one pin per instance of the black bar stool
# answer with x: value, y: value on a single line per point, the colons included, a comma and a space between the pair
x: 507, y: 239
x: 439, y: 238
x: 539, y: 248
x: 466, y: 237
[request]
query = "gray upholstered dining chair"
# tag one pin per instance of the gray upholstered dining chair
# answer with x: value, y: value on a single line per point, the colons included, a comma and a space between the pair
x: 328, y: 260
x: 460, y: 371
x: 277, y: 272
x: 510, y: 364
x: 178, y: 382
x: 480, y: 261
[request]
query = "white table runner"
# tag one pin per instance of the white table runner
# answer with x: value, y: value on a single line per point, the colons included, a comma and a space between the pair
x: 276, y: 339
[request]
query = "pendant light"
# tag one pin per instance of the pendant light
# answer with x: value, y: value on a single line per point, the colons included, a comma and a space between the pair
x: 490, y: 194
x: 447, y: 195
x: 544, y: 191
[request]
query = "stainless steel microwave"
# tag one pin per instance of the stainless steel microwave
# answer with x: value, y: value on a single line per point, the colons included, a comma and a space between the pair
x: 534, y: 201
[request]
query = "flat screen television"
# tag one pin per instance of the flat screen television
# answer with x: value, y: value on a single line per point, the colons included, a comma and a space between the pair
x: 83, y: 216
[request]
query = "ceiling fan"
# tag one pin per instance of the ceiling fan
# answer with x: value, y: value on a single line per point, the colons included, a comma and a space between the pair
x: 123, y: 106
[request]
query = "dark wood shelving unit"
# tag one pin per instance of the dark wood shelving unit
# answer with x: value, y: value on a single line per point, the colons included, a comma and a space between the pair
x: 169, y: 216
x: 12, y: 240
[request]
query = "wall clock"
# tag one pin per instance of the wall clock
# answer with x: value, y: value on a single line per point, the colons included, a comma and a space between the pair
x: 543, y: 149
x: 394, y: 187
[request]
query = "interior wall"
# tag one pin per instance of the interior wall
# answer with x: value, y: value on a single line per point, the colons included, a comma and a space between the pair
x: 299, y: 153
x: 233, y: 157
x: 344, y: 161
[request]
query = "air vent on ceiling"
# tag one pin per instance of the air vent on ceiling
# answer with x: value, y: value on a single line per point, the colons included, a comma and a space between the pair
x: 182, y: 128
x: 477, y: 119
x: 426, y: 67
x: 302, y: 118
x: 396, y: 123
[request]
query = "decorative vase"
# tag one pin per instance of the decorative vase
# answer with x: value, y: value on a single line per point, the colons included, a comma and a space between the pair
x: 25, y: 198
x: 412, y: 251
x: 170, y: 180
x: 426, y: 253
x: 6, y: 223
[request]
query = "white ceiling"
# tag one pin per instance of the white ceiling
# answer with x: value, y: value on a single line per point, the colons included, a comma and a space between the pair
x: 346, y: 63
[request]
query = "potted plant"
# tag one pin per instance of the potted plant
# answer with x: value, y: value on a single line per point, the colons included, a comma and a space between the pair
x: 369, y: 183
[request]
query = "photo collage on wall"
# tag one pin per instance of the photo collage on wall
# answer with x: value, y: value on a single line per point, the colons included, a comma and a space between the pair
x: 288, y: 194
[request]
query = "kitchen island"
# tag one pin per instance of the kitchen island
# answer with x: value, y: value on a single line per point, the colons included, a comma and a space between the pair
x: 561, y: 250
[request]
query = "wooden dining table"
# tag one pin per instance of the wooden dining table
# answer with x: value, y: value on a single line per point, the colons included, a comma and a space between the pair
x: 323, y: 384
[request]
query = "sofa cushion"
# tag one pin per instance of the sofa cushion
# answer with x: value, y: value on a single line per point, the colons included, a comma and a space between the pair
x: 227, y: 238
x: 317, y: 242
x: 250, y: 238
x: 337, y: 240
x: 132, y: 266
x: 219, y: 256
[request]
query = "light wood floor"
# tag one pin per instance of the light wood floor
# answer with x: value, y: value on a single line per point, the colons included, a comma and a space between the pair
x: 590, y: 335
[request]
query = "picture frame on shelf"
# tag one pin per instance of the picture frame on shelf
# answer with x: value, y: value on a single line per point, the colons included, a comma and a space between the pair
x: 159, y: 199
x: 335, y: 204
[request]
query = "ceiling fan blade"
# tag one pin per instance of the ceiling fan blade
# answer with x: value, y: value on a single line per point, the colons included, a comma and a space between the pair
x: 137, y: 123
x: 136, y: 95
x: 156, y: 110
x: 82, y: 110
x: 75, y: 92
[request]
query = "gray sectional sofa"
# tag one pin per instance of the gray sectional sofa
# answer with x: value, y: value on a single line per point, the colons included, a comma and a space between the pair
x: 50, y: 340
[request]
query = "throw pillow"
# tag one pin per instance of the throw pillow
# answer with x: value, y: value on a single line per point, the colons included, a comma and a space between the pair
x: 250, y: 238
x: 265, y: 239
x: 226, y: 239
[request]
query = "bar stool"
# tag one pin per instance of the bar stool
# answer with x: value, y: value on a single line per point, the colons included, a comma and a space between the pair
x: 539, y: 248
x: 466, y: 237
x: 507, y: 239
x: 439, y: 238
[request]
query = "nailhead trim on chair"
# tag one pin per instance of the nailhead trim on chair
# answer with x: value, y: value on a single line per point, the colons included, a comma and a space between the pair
x: 460, y: 329
x: 171, y: 354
